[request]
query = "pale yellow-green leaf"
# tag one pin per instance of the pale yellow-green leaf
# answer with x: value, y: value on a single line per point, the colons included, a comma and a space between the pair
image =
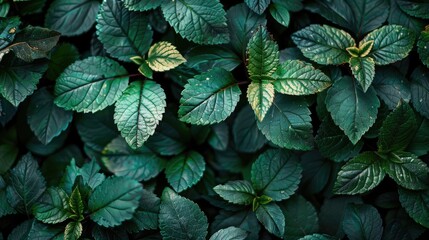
x: 163, y: 56
x: 260, y: 96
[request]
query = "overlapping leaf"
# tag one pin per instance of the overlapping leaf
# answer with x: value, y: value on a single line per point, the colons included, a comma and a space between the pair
x: 163, y: 56
x: 185, y: 170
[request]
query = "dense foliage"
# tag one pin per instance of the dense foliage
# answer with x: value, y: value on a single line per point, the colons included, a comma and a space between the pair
x: 208, y: 119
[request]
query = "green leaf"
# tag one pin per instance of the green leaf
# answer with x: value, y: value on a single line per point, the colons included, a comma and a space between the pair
x: 407, y: 170
x: 359, y: 175
x: 276, y: 174
x: 90, y: 85
x: 4, y: 9
x: 140, y: 164
x: 324, y: 44
x: 145, y: 70
x: 73, y: 231
x: 260, y: 96
x: 241, y: 24
x: 5, y: 207
x: 280, y: 13
x: 124, y: 34
x: 219, y: 136
x: 419, y: 145
x: 142, y: 5
x: 71, y: 17
x: 288, y: 123
x: 45, y: 119
x: 76, y: 205
x: 318, y: 236
x: 146, y: 215
x: 363, y: 69
x: 185, y: 170
x: 19, y: 78
x: 71, y: 173
x: 90, y: 175
x: 263, y: 55
x: 163, y: 56
x: 420, y: 90
x: 272, y: 218
x: 209, y: 97
x: 139, y: 110
x: 397, y: 16
x: 26, y: 184
x: 114, y: 201
x: 398, y: 129
x: 415, y: 8
x: 258, y: 6
x: 52, y: 207
x: 245, y: 220
x: 362, y: 222
x: 423, y: 46
x: 210, y: 15
x: 237, y: 192
x: 174, y: 220
x: 204, y: 58
x: 230, y: 233
x: 416, y: 203
x: 352, y: 109
x: 8, y: 30
x: 294, y: 77
x: 391, y: 43
x: 316, y: 172
x: 9, y: 149
x: 61, y: 57
x: 247, y: 136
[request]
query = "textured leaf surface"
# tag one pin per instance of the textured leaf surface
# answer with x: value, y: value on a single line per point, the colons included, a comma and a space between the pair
x: 353, y: 110
x: 288, y: 123
x: 142, y: 5
x: 71, y: 17
x: 209, y: 98
x: 230, y: 233
x: 276, y: 174
x: 209, y: 14
x: 52, y: 207
x: 391, y: 43
x: 324, y: 44
x: 294, y: 77
x: 146, y: 215
x: 272, y: 218
x: 185, y: 170
x: 260, y: 96
x: 247, y: 136
x: 420, y: 90
x: 300, y: 217
x: 391, y: 86
x: 397, y: 16
x: 124, y: 34
x: 317, y: 236
x: 416, y: 203
x: 423, y: 47
x: 263, y: 55
x: 73, y: 231
x: 238, y: 192
x: 359, y: 175
x: 114, y: 201
x: 139, y: 110
x: 163, y: 56
x: 416, y: 8
x: 175, y: 221
x: 258, y: 6
x: 90, y: 85
x: 363, y: 69
x: 362, y: 222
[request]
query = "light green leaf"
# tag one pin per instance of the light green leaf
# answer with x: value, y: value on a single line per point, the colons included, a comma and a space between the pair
x: 185, y: 170
x: 359, y: 175
x: 288, y: 123
x: 391, y: 43
x: 415, y: 8
x: 71, y: 17
x: 142, y: 5
x: 353, y: 110
x: 140, y: 164
x: 61, y: 57
x: 294, y: 77
x: 324, y: 44
x: 420, y: 90
x: 114, y: 201
x: 139, y: 110
x: 124, y: 34
x: 276, y: 174
x: 174, y: 220
x: 238, y: 192
x: 423, y: 46
x: 91, y: 84
x: 146, y: 215
x: 209, y: 14
x: 362, y: 222
x: 416, y: 203
x: 230, y: 233
x: 263, y: 55
x: 247, y: 136
x: 52, y: 207
x: 45, y: 119
x: 260, y: 96
x: 73, y: 231
x: 363, y: 69
x: 407, y: 170
x: 4, y: 9
x: 272, y: 218
x: 163, y: 56
x: 209, y: 98
x: 258, y: 6
x: 280, y: 13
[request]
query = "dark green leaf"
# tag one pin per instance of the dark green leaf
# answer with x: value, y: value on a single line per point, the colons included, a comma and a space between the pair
x: 420, y: 90
x: 102, y: 233
x: 124, y: 34
x: 272, y: 218
x: 362, y: 222
x: 114, y: 201
x: 288, y: 123
x: 185, y: 170
x: 61, y: 57
x: 73, y: 231
x: 71, y: 17
x: 423, y: 46
x: 212, y: 27
x: 142, y: 5
x: 146, y: 215
x: 416, y: 8
x: 263, y: 55
x: 260, y: 96
x: 247, y: 136
x: 397, y: 16
x: 76, y: 205
x: 230, y: 233
x: 90, y: 85
x: 318, y: 236
x: 416, y: 203
x: 280, y: 13
x: 316, y: 172
x: 245, y: 220
x: 204, y: 58
x: 5, y: 207
x: 174, y: 220
x: 71, y: 173
x: 8, y: 149
x: 26, y: 7
x: 7, y: 111
x: 238, y: 192
x: 219, y: 136
x: 52, y: 207
x: 258, y: 6
x: 90, y: 175
x: 363, y: 69
x: 8, y: 30
x: 419, y: 145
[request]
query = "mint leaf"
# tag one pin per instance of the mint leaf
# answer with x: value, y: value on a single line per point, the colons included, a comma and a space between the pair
x: 142, y: 5
x: 52, y: 207
x: 238, y: 192
x: 359, y: 175
x: 174, y: 220
x: 90, y: 85
x: 209, y: 97
x: 420, y: 90
x: 363, y: 69
x: 416, y: 203
x: 423, y: 46
x: 185, y: 170
x: 212, y: 27
x: 260, y: 96
x: 73, y: 231
x: 324, y: 44
x: 163, y: 56
x: 124, y: 34
x: 272, y: 218
x: 230, y: 233
x: 258, y: 6
x: 391, y: 86
x: 362, y: 222
x: 263, y: 55
x: 276, y: 174
x: 247, y: 136
x: 114, y: 201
